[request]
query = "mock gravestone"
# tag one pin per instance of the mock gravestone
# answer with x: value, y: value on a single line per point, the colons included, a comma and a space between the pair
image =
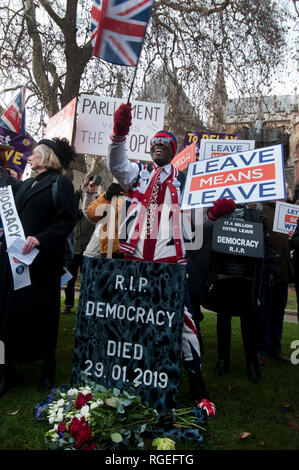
x: 129, y: 328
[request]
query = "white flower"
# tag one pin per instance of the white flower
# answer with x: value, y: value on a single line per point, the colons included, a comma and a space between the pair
x: 85, y: 411
x: 60, y: 402
x: 51, y: 419
x: 59, y: 417
x: 95, y: 404
x: 73, y: 391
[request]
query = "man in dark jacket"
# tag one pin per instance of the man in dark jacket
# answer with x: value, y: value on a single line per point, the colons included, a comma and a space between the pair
x: 230, y: 285
x: 272, y: 312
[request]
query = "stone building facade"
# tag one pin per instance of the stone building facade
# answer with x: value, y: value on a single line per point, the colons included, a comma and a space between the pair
x: 269, y: 120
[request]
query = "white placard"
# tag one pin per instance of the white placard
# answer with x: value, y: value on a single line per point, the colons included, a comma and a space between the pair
x: 256, y: 175
x: 95, y: 123
x: 215, y: 148
x: 286, y: 217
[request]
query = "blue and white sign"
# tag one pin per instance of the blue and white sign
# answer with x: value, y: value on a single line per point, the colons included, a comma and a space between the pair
x: 286, y: 217
x: 256, y: 175
x: 214, y: 148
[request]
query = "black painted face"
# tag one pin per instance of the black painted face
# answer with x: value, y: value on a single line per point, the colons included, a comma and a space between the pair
x: 162, y: 153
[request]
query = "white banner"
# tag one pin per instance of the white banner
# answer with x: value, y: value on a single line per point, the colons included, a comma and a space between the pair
x: 286, y: 217
x: 256, y: 175
x: 214, y: 148
x: 12, y: 229
x: 95, y: 124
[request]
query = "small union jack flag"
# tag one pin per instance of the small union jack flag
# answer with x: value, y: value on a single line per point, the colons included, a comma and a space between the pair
x: 118, y: 28
x: 13, y: 117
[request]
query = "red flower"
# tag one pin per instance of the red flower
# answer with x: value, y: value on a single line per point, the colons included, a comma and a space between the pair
x: 82, y: 400
x: 61, y: 427
x: 81, y: 431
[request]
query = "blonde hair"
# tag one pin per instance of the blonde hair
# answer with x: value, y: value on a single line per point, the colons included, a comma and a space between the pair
x: 49, y: 158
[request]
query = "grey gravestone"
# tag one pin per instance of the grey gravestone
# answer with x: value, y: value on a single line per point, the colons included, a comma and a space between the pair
x: 129, y: 328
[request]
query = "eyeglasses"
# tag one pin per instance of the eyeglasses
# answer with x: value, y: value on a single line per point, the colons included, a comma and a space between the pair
x: 161, y: 140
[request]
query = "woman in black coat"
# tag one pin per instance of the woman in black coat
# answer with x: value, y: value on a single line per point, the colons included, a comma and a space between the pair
x: 29, y: 316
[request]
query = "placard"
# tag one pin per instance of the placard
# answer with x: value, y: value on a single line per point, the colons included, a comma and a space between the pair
x: 22, y: 147
x: 256, y: 175
x: 95, y: 124
x: 62, y: 123
x: 238, y: 237
x: 197, y: 136
x: 212, y: 148
x: 186, y: 156
x: 129, y: 328
x: 285, y: 217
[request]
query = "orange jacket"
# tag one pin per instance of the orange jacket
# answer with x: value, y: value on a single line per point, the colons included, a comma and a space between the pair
x: 99, y: 209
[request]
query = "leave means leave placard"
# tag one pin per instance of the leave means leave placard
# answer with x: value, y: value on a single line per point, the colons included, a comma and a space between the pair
x: 256, y: 175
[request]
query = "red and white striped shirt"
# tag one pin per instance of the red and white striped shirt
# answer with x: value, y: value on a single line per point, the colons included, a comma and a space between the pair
x: 166, y: 243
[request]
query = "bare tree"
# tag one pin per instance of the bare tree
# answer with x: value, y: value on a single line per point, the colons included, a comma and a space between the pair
x: 46, y: 45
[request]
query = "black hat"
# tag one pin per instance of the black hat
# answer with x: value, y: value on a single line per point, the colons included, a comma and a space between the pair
x: 62, y: 149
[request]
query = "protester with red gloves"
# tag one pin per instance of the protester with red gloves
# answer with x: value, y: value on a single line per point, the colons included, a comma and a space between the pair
x: 151, y: 188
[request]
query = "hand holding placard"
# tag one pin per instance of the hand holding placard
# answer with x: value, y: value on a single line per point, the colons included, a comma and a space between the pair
x: 221, y: 207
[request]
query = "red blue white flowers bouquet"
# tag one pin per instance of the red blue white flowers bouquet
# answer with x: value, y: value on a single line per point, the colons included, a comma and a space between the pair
x: 92, y: 417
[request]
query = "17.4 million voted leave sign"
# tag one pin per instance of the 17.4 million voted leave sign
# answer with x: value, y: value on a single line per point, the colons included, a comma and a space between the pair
x: 238, y: 237
x: 129, y: 327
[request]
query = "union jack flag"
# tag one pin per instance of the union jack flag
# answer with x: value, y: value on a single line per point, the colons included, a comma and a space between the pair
x: 118, y: 28
x: 13, y: 117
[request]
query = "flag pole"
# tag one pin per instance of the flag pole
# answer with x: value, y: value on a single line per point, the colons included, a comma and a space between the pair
x: 134, y: 76
x: 137, y: 63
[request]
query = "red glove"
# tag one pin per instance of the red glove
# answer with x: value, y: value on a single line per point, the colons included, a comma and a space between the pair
x: 221, y: 207
x: 122, y: 120
x: 207, y: 406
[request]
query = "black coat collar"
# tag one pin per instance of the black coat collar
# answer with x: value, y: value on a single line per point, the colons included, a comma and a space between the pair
x: 30, y: 189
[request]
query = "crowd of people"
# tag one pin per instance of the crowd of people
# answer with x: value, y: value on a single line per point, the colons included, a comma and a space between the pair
x: 64, y: 226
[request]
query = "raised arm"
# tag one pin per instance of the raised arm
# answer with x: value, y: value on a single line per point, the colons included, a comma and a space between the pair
x: 118, y: 163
